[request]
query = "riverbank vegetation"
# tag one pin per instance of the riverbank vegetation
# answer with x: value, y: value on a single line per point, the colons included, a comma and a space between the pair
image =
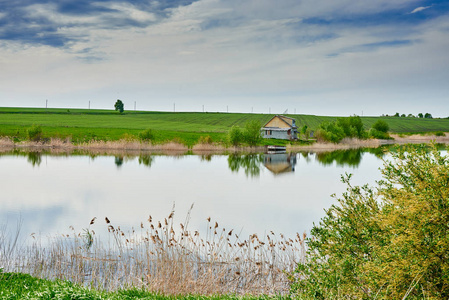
x: 384, y: 242
x: 189, y: 128
x: 160, y: 257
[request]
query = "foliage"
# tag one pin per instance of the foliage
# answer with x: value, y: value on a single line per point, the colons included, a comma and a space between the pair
x: 379, y: 130
x: 420, y: 115
x: 24, y: 286
x: 146, y: 135
x: 439, y: 133
x: 205, y: 140
x: 235, y: 135
x: 251, y: 133
x: 343, y: 127
x: 381, y: 126
x: 34, y: 133
x: 428, y: 116
x: 119, y: 106
x: 388, y: 242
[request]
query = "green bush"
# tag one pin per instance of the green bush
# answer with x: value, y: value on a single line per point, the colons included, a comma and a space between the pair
x: 146, y: 135
x: 34, y: 133
x: 378, y: 134
x: 439, y: 133
x: 251, y: 133
x: 235, y: 135
x: 381, y: 125
x: 387, y: 242
x: 205, y: 140
x: 343, y: 127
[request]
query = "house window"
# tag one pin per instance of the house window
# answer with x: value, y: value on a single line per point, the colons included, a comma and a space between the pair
x: 268, y: 132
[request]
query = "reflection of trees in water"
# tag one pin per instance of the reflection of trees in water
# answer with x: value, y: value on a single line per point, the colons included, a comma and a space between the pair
x: 206, y: 157
x: 146, y: 160
x: 118, y: 161
x: 35, y: 158
x: 249, y: 162
x: 350, y: 158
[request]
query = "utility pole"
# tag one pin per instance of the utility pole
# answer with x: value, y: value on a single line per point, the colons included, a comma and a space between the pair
x: 46, y: 104
x: 134, y: 105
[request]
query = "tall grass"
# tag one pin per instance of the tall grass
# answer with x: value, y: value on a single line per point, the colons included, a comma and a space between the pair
x: 164, y: 258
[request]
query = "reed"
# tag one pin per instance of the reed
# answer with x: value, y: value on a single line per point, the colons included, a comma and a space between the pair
x: 164, y: 258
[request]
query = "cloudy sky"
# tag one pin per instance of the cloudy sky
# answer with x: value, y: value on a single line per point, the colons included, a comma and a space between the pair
x: 323, y: 57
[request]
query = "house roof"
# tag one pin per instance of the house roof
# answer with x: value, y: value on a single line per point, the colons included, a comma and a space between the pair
x: 287, y: 120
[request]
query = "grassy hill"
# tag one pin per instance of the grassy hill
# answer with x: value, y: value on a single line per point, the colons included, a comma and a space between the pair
x: 83, y: 125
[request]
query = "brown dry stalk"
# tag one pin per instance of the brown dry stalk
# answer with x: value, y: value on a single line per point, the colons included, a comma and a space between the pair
x: 166, y: 261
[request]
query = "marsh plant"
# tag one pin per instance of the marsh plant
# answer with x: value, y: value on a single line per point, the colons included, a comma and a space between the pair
x: 384, y: 242
x: 162, y: 257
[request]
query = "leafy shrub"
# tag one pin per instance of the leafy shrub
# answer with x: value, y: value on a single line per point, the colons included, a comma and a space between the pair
x: 343, y: 127
x: 146, y: 135
x: 387, y: 242
x: 439, y: 133
x: 205, y: 140
x: 235, y: 135
x: 34, y: 133
x: 378, y: 134
x: 381, y: 125
x: 330, y: 132
x: 251, y: 133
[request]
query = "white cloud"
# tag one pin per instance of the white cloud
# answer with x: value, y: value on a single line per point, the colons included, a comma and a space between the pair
x: 421, y: 8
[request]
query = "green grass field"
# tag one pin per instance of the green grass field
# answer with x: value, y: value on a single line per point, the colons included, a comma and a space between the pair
x: 24, y: 286
x: 84, y: 125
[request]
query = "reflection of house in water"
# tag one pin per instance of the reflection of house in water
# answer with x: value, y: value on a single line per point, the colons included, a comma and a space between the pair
x: 279, y: 163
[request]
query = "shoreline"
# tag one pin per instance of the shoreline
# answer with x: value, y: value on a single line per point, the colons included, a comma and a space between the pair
x: 58, y: 145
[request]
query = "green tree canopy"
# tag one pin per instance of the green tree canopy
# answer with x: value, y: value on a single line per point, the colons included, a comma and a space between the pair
x: 386, y: 242
x: 119, y: 106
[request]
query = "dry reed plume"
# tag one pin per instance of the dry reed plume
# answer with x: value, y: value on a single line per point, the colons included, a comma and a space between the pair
x: 159, y: 258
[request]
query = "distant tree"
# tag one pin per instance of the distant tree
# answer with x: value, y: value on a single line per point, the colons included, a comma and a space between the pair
x: 251, y: 133
x: 396, y: 114
x: 119, y: 106
x: 403, y: 116
x: 381, y: 126
x: 410, y: 116
x: 235, y: 135
x: 420, y: 115
x: 428, y: 116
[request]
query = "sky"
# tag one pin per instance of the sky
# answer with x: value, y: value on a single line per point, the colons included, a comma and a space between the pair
x: 321, y: 57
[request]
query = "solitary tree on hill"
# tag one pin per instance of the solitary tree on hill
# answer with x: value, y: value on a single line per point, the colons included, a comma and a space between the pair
x: 119, y: 106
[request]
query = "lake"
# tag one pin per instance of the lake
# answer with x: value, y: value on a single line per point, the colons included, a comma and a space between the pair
x: 250, y: 193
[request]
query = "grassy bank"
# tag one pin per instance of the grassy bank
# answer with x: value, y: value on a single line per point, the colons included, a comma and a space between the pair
x: 82, y: 125
x: 24, y: 286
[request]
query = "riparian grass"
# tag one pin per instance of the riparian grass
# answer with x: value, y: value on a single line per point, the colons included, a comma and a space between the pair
x: 162, y: 258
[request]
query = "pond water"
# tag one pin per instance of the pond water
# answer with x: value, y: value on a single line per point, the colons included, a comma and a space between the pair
x: 252, y: 193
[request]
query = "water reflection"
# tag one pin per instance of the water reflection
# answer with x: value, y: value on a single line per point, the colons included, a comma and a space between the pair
x: 350, y: 158
x: 250, y: 163
x: 146, y: 160
x: 34, y: 158
x: 280, y: 163
x: 119, y: 161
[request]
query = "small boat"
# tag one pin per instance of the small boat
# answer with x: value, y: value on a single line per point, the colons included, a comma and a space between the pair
x: 276, y: 149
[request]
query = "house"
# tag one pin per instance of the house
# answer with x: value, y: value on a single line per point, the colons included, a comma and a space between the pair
x: 280, y: 163
x: 280, y: 127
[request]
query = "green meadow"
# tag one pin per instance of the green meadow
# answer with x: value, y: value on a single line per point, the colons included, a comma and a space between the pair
x: 82, y: 125
x: 24, y: 286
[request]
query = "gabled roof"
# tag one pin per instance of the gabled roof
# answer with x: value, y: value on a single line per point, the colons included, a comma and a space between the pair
x: 283, y: 119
